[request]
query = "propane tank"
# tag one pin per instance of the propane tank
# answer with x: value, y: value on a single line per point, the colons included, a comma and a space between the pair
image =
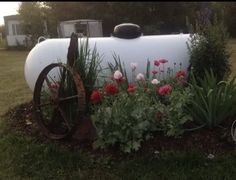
x: 135, y: 48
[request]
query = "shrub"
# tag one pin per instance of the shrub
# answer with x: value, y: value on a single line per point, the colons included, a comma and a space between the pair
x: 213, y: 101
x: 208, y: 48
x: 172, y: 115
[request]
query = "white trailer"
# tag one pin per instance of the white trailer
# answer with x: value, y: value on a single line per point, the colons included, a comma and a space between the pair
x: 14, y: 33
x: 84, y: 27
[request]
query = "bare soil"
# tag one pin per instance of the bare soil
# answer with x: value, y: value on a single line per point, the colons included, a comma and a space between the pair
x: 215, y: 141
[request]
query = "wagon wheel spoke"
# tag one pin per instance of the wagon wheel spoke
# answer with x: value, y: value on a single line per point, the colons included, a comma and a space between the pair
x: 45, y: 104
x: 56, y: 108
x: 48, y: 82
x: 68, y: 98
x: 64, y: 117
x: 53, y: 118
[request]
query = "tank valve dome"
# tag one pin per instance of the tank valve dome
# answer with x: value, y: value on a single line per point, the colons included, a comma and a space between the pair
x: 127, y: 31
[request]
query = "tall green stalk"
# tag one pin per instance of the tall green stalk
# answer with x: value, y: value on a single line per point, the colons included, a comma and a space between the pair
x: 213, y: 101
x: 88, y: 66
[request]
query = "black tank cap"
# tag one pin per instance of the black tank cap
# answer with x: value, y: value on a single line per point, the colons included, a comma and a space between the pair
x: 127, y: 31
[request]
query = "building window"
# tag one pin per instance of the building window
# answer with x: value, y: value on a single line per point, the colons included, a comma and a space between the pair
x: 16, y: 29
x: 13, y: 29
x: 81, y: 28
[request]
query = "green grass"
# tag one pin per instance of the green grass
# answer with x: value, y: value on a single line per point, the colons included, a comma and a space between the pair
x: 23, y: 157
x: 233, y: 56
x: 2, y: 43
x: 13, y: 90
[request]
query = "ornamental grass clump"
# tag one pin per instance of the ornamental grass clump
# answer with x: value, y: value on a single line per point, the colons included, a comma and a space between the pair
x: 88, y: 66
x: 213, y: 102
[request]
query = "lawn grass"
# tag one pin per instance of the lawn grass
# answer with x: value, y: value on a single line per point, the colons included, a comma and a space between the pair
x: 13, y: 89
x: 2, y: 43
x: 23, y: 157
x: 232, y: 48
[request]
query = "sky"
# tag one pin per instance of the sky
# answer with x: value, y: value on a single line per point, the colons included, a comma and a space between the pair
x: 8, y: 8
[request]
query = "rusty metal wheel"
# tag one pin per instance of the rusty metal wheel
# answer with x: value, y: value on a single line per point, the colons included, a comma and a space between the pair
x: 59, y: 100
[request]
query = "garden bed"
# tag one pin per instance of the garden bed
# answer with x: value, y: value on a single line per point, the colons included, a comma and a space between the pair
x: 206, y: 141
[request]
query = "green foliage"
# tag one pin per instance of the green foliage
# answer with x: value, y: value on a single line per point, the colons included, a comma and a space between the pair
x: 147, y: 75
x: 208, y: 48
x: 3, y: 31
x: 22, y: 157
x: 11, y: 70
x: 229, y: 9
x: 118, y: 66
x: 33, y: 16
x: 173, y: 113
x: 125, y: 119
x: 157, y: 17
x: 213, y: 101
x: 152, y: 29
x: 36, y: 160
x: 88, y: 67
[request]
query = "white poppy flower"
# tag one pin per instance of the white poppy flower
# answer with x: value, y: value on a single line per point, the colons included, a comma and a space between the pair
x: 155, y: 81
x: 140, y: 77
x: 133, y: 66
x: 117, y: 75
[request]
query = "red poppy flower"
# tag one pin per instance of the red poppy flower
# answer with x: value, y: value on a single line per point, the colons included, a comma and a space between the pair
x: 164, y: 90
x: 96, y: 97
x: 131, y: 88
x: 163, y: 61
x: 111, y: 89
x: 180, y: 74
x: 156, y: 63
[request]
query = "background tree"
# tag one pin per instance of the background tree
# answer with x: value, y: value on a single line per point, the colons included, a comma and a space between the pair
x: 33, y: 16
x: 153, y: 17
x: 2, y: 30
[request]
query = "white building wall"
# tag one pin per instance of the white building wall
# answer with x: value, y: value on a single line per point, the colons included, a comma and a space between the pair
x: 95, y: 29
x: 68, y: 29
x: 14, y: 39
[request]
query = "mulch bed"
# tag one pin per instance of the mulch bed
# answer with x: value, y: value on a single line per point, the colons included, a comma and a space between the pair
x: 206, y: 141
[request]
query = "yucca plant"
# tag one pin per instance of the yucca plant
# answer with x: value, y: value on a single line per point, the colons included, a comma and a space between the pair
x: 213, y: 101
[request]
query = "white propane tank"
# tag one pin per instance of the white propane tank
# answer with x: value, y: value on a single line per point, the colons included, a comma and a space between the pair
x: 139, y: 50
